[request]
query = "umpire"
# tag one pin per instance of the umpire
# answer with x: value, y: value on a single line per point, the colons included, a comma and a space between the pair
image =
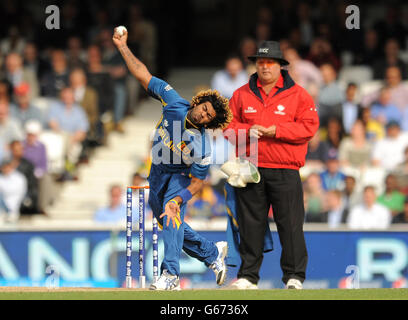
x: 283, y: 117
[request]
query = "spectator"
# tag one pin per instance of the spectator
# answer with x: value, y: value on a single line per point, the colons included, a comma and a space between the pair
x: 35, y: 152
x: 139, y: 180
x: 13, y: 188
x: 115, y: 210
x: 29, y: 204
x: 76, y: 55
x: 14, y: 42
x: 369, y: 214
x: 401, y: 172
x: 5, y: 91
x: 351, y: 196
x: 101, y: 22
x: 304, y: 72
x: 10, y: 129
x: 374, y: 130
x: 144, y: 33
x: 24, y: 110
x: 143, y: 42
x: 87, y: 98
x: 391, y: 59
x: 350, y: 109
x: 391, y: 25
x: 262, y: 32
x: 247, y: 48
x: 317, y: 153
x: 321, y: 53
x: 207, y: 203
x: 398, y: 90
x: 332, y: 178
x: 335, y: 133
x: 305, y: 24
x: 100, y: 79
x: 69, y: 119
x: 389, y: 152
x: 355, y: 151
x: 33, y: 62
x: 384, y: 111
x: 295, y: 41
x: 113, y: 62
x: 336, y: 213
x: 402, y: 217
x: 231, y: 78
x: 58, y: 77
x: 315, y: 196
x: 17, y: 74
x: 331, y: 95
x: 370, y: 51
x: 392, y: 198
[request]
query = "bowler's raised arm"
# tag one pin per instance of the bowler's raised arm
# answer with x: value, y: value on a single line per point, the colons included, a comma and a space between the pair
x: 136, y: 67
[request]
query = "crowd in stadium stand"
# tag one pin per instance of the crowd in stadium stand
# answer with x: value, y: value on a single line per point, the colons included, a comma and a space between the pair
x: 355, y: 168
x: 357, y: 78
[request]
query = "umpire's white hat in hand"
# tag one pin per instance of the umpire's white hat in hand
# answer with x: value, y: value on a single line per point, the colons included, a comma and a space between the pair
x: 240, y: 172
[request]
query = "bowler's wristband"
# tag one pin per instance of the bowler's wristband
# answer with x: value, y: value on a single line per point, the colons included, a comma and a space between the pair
x: 185, y: 195
x: 174, y: 201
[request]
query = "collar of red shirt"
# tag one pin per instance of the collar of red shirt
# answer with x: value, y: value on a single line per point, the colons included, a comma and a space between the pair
x: 278, y: 85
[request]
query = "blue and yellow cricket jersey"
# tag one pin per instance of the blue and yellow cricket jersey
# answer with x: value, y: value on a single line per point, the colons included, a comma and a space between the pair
x: 177, y: 149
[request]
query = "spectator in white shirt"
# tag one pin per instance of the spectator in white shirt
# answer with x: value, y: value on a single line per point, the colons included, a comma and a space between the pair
x: 13, y: 188
x: 231, y: 78
x: 369, y: 214
x: 389, y: 152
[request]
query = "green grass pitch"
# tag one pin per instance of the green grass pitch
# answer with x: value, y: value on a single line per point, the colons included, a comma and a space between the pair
x: 219, y: 295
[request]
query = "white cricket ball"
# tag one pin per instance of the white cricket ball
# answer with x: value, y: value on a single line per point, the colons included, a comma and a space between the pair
x: 120, y: 30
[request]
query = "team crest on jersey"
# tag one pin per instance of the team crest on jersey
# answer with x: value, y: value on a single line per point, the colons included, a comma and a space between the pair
x: 165, y: 123
x: 183, y: 147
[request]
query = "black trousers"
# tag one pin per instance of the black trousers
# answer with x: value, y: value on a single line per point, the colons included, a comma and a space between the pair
x: 282, y: 189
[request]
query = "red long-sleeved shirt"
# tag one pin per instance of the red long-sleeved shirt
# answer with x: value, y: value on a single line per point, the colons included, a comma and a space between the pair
x: 289, y: 107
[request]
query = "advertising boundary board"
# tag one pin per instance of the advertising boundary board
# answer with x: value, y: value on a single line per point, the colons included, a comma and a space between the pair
x: 96, y: 258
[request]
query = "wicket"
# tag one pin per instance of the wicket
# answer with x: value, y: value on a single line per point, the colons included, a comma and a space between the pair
x: 142, y: 277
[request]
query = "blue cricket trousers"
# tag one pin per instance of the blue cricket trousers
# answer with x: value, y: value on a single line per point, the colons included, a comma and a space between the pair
x: 164, y: 186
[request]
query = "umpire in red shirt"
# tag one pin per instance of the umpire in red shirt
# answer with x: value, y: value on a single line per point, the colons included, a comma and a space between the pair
x: 283, y: 117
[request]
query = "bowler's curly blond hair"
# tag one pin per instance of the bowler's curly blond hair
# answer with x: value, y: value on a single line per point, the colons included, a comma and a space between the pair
x: 220, y: 104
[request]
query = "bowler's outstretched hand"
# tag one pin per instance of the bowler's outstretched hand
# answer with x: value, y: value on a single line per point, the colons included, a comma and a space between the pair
x: 172, y: 211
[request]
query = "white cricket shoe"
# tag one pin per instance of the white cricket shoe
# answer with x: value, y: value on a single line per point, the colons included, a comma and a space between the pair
x: 219, y: 266
x: 166, y: 282
x: 294, y: 284
x: 243, y: 284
